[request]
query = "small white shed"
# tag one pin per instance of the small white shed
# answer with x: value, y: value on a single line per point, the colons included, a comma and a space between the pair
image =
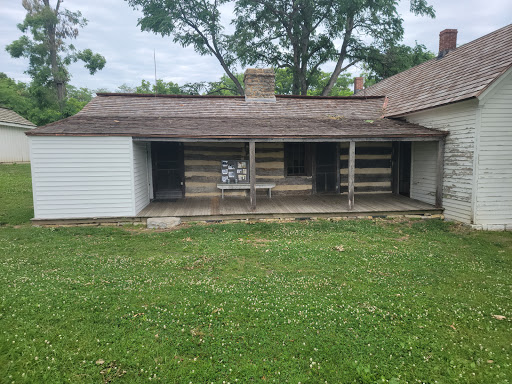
x: 13, y: 141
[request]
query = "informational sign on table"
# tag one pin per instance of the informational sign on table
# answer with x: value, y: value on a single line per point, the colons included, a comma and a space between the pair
x: 234, y: 172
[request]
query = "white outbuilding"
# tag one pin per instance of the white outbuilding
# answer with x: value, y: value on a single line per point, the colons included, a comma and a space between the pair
x: 13, y: 141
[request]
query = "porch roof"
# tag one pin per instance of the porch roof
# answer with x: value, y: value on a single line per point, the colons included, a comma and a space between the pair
x: 232, y: 118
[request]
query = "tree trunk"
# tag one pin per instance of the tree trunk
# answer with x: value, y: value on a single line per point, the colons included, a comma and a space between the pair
x: 58, y: 81
x: 341, y: 58
x: 296, y: 86
x: 238, y: 86
x: 303, y: 84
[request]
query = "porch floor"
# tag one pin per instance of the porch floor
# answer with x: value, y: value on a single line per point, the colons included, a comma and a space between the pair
x: 287, y: 206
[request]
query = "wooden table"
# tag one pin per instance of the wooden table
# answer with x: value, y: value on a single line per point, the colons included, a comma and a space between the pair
x: 268, y: 186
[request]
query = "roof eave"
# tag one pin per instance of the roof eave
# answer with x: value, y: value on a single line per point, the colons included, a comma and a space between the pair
x: 433, y: 134
x: 408, y: 112
x: 17, y: 125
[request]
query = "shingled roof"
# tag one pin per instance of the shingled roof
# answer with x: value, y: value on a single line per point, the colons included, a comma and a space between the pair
x: 12, y: 118
x: 221, y: 117
x: 461, y: 74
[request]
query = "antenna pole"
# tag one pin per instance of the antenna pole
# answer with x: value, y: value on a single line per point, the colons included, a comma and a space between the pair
x: 154, y: 60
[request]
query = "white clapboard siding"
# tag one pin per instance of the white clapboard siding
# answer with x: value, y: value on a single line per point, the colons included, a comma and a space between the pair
x: 140, y: 173
x: 13, y: 144
x: 423, y: 178
x: 460, y: 120
x: 82, y: 177
x: 494, y: 185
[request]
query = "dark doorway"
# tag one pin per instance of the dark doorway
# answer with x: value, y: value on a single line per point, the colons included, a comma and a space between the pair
x: 168, y: 171
x: 327, y: 159
x: 402, y: 168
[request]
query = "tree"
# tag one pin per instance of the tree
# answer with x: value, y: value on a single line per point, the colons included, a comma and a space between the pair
x: 225, y: 86
x: 77, y: 98
x: 395, y: 59
x: 284, y: 84
x: 191, y: 23
x: 37, y: 103
x: 123, y: 88
x: 45, y: 30
x: 14, y: 95
x: 301, y: 35
x: 340, y: 88
x: 161, y: 88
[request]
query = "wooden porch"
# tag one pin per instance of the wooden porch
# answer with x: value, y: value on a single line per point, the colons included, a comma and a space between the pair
x: 303, y: 206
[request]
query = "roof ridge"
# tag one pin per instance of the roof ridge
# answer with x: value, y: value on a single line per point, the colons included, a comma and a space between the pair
x: 462, y: 74
x: 436, y: 59
x: 306, y: 97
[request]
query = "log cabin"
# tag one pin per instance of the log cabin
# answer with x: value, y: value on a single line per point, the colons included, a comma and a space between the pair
x: 130, y: 157
x: 133, y: 155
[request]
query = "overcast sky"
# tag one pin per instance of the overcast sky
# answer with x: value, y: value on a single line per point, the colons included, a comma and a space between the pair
x: 113, y: 32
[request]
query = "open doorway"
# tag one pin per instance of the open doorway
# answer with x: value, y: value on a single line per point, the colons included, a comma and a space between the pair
x: 168, y: 170
x: 402, y: 168
x: 327, y: 159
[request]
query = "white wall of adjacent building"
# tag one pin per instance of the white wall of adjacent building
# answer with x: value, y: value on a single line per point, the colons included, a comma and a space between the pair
x: 82, y: 177
x: 423, y: 171
x: 13, y: 143
x: 141, y: 175
x: 460, y: 120
x: 493, y: 203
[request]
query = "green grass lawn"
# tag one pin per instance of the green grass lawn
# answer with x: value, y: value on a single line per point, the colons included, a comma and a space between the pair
x: 16, y: 205
x: 353, y: 301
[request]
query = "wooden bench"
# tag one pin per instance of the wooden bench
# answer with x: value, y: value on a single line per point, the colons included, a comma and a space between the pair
x: 268, y: 186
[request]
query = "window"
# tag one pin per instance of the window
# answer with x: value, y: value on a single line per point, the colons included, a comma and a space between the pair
x: 296, y: 159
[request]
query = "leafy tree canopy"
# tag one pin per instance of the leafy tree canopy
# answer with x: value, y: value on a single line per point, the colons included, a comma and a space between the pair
x: 37, y: 103
x: 195, y: 23
x: 299, y: 35
x: 45, y: 31
x: 395, y: 59
x: 284, y: 84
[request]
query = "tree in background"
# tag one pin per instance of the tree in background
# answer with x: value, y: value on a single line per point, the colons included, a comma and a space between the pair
x: 298, y: 35
x: 76, y: 99
x: 284, y: 84
x: 15, y: 95
x: 225, y: 86
x: 162, y: 88
x: 191, y: 23
x: 31, y: 101
x: 301, y: 35
x: 395, y: 59
x: 45, y: 30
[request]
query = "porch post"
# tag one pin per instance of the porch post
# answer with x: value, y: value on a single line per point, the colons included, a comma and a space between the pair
x: 252, y: 173
x: 440, y: 173
x: 351, y: 173
x: 338, y: 176
x: 395, y: 167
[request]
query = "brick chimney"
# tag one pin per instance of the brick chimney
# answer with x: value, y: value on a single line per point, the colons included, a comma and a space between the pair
x: 260, y: 85
x: 358, y: 84
x: 447, y: 41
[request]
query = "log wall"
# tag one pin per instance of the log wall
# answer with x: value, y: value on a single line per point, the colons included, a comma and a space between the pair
x: 202, y: 168
x: 373, y: 167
